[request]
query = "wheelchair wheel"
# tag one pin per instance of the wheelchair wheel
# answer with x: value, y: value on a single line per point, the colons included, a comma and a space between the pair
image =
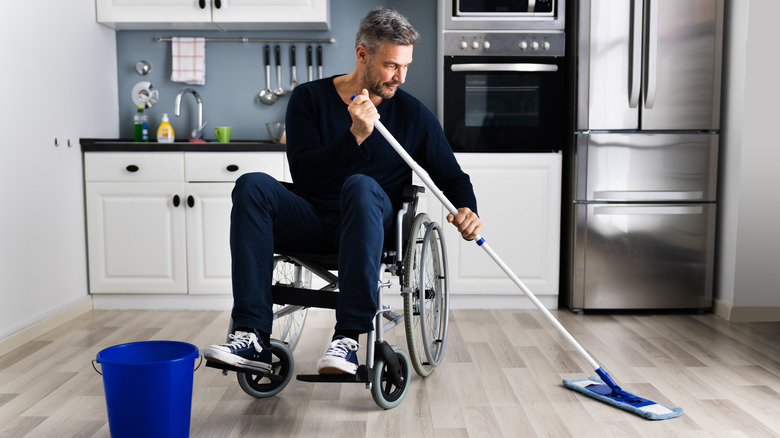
x: 268, y: 385
x: 385, y: 392
x: 289, y: 320
x: 426, y: 306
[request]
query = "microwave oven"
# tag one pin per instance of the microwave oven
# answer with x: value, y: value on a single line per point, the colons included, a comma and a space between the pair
x: 502, y: 14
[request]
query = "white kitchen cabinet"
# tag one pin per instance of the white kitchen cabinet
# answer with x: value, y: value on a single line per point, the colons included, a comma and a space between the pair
x: 518, y: 196
x: 159, y: 222
x: 210, y: 177
x: 215, y: 14
x: 135, y: 222
x: 208, y: 238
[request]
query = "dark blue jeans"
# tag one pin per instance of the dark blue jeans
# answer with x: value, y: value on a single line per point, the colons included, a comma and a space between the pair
x: 267, y: 218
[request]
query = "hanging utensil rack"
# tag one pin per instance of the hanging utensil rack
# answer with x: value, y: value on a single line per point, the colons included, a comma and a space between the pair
x: 259, y: 40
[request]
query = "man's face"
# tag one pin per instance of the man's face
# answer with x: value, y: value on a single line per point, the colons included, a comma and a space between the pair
x: 386, y: 69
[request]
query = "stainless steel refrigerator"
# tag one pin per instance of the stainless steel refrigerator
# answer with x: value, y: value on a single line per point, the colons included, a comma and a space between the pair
x: 645, y: 154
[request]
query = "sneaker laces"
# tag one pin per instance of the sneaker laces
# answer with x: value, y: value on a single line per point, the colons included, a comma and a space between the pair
x: 341, y: 348
x: 241, y: 340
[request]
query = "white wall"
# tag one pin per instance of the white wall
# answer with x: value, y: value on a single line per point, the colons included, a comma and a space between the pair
x: 749, y: 236
x: 59, y: 81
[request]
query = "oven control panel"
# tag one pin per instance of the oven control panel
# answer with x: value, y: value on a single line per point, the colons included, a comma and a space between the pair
x: 504, y: 43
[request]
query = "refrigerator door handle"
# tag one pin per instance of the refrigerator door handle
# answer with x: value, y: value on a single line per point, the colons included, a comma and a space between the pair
x: 652, y: 53
x: 625, y: 210
x: 647, y: 195
x: 635, y: 57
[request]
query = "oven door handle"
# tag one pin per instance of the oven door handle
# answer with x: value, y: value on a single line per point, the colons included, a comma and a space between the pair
x: 518, y: 67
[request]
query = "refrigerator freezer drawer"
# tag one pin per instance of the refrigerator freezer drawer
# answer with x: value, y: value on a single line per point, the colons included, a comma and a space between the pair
x: 634, y: 167
x: 643, y: 256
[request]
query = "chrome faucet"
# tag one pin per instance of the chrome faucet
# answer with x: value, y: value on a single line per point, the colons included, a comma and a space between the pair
x: 198, y: 131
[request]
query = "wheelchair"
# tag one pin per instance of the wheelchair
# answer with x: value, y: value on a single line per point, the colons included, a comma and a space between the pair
x: 417, y: 256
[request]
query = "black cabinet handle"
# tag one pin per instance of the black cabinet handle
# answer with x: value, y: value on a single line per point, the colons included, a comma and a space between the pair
x: 176, y: 200
x: 202, y: 4
x: 132, y: 168
x: 190, y: 201
x: 232, y: 168
x: 217, y: 4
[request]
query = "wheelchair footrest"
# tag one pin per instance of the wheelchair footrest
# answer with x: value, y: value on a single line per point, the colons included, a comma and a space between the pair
x: 226, y: 367
x: 360, y: 377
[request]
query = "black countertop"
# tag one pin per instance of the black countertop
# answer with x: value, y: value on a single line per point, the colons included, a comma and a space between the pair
x: 127, y: 145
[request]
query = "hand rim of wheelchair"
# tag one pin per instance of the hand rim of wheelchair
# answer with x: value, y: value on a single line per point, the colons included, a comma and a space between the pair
x: 269, y: 384
x: 426, y: 237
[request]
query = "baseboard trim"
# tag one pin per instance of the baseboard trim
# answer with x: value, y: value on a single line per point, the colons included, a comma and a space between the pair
x: 48, y: 323
x: 161, y: 302
x: 225, y: 302
x: 733, y: 313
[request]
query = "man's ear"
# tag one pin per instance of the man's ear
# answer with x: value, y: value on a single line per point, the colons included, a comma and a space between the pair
x: 361, y: 52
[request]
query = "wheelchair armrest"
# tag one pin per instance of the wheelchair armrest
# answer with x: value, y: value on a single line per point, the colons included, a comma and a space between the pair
x: 410, y: 192
x: 410, y: 195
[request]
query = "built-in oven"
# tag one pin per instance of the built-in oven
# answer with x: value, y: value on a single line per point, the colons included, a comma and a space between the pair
x: 502, y: 84
x: 503, y: 91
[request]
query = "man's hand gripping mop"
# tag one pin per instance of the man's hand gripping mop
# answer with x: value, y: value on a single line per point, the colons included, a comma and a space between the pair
x: 602, y: 388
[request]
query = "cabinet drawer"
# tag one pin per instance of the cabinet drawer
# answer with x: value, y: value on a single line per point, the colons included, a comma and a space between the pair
x: 228, y: 166
x: 133, y: 166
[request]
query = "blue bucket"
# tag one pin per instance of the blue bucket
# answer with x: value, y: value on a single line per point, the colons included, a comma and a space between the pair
x: 148, y: 388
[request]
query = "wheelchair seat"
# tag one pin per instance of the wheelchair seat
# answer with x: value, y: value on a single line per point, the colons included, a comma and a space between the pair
x: 316, y: 262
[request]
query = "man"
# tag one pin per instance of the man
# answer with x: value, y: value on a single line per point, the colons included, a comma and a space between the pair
x: 348, y: 183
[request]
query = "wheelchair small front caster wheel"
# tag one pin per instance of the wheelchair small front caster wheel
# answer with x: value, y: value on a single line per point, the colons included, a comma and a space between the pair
x: 268, y: 385
x: 385, y: 391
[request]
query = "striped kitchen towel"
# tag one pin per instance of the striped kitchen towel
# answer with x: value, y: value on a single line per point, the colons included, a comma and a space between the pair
x: 189, y: 60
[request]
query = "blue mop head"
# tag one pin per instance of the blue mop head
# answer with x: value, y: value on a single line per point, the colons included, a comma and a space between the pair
x: 596, y: 388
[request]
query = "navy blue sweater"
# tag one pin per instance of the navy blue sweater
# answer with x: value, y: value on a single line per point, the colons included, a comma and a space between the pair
x: 322, y: 152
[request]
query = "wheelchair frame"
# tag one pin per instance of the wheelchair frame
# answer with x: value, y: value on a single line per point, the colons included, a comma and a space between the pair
x: 420, y: 264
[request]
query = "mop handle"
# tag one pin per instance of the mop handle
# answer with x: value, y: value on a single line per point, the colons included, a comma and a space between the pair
x: 481, y: 242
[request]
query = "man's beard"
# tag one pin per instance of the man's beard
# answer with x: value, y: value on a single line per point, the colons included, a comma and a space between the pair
x: 378, y: 88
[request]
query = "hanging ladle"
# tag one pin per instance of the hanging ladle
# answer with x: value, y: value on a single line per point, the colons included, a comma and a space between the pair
x: 267, y: 96
x: 293, y: 75
x: 279, y: 91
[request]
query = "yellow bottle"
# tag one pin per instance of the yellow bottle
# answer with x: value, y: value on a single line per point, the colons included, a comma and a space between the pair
x: 165, y: 131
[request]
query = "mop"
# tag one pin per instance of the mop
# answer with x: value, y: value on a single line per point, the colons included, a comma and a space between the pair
x: 602, y: 388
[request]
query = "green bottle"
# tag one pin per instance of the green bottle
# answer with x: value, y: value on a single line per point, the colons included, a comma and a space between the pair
x: 140, y: 128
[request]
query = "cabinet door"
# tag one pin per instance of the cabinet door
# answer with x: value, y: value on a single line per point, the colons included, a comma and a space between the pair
x: 136, y: 237
x: 159, y: 14
x: 208, y: 237
x: 272, y: 14
x: 215, y: 14
x: 518, y: 196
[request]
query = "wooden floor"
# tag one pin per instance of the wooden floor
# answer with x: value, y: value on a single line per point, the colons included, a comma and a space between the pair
x: 501, y: 377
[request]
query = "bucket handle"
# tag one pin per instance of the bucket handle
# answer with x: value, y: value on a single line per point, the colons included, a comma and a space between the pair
x: 97, y: 371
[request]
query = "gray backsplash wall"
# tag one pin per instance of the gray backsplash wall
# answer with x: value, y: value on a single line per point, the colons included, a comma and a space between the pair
x: 235, y: 71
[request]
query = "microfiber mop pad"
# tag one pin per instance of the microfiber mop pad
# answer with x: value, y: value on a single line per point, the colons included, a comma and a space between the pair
x: 596, y: 388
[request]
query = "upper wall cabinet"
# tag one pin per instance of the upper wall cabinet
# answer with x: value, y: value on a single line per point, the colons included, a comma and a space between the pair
x: 215, y: 14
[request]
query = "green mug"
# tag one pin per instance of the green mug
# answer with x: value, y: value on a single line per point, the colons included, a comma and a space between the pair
x: 222, y: 133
